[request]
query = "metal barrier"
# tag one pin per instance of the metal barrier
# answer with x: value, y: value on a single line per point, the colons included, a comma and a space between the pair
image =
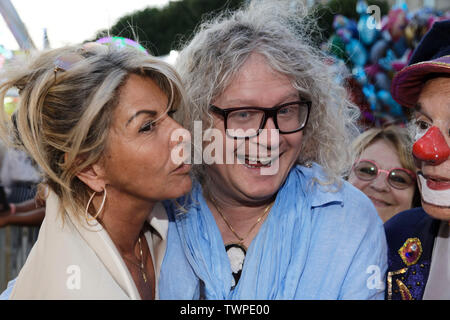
x: 15, y: 245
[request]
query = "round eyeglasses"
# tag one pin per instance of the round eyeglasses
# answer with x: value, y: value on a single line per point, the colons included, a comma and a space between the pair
x: 398, y: 178
x: 247, y: 122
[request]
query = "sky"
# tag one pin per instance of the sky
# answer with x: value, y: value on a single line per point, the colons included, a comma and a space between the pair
x: 69, y: 21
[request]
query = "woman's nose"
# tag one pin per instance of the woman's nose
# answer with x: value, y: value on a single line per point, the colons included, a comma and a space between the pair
x: 432, y: 147
x: 179, y: 142
x: 380, y: 183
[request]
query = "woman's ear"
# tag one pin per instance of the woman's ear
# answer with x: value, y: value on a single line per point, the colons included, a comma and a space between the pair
x: 93, y: 177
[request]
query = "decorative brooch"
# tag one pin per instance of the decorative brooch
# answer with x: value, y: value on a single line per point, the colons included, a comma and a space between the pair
x: 411, y: 251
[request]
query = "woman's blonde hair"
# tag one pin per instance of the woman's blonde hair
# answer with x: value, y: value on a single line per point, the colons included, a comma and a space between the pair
x: 399, y: 137
x: 64, y: 114
x: 280, y: 31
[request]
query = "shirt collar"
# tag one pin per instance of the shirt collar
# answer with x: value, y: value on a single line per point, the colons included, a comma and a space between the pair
x: 159, y: 221
x: 321, y: 194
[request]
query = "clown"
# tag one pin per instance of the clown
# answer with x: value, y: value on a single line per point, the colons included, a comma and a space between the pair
x: 419, y: 242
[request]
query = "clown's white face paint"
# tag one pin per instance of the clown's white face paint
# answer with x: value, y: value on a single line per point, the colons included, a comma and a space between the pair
x: 420, y: 132
x: 433, y: 196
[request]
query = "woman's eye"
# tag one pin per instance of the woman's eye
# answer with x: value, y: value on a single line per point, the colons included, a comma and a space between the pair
x: 171, y: 113
x: 397, y: 179
x: 149, y: 126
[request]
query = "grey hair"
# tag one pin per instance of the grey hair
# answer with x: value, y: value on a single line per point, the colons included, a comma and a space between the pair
x: 281, y: 32
x: 63, y: 117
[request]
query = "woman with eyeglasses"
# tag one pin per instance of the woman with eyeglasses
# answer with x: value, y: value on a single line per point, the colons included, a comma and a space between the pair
x: 98, y: 122
x: 269, y: 216
x: 385, y: 170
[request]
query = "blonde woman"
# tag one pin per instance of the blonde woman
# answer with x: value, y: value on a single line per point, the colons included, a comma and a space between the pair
x: 385, y: 171
x: 271, y: 218
x: 98, y: 120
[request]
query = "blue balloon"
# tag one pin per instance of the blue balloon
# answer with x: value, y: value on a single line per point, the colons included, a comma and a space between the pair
x: 366, y: 34
x: 382, y: 81
x: 386, y: 62
x: 352, y: 26
x: 344, y: 34
x: 356, y: 52
x: 340, y: 21
x: 400, y: 4
x: 360, y: 75
x: 394, y: 108
x: 361, y: 7
x: 378, y: 50
x: 369, y: 92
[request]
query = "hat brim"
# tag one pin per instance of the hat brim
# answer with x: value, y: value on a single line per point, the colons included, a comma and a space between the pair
x: 408, y: 83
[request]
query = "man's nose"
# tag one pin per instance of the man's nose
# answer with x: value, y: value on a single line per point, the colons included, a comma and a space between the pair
x: 270, y: 135
x: 432, y: 147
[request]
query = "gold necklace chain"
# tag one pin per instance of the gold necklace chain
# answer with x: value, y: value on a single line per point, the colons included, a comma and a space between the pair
x: 141, y: 264
x: 241, y: 239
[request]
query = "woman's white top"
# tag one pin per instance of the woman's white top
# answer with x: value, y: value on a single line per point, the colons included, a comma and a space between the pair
x: 76, y: 260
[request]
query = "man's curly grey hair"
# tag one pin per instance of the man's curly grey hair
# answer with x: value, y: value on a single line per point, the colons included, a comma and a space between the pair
x: 280, y: 31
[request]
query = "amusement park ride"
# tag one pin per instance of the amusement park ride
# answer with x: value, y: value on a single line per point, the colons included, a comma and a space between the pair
x: 16, y: 25
x: 20, y: 33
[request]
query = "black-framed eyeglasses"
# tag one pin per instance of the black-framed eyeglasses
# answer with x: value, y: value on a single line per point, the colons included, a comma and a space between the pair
x: 248, y: 122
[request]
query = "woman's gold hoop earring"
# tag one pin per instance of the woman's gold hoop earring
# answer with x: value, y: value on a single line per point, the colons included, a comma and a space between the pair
x: 91, y: 218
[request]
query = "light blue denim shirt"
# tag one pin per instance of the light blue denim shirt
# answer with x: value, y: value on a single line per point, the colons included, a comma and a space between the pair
x: 314, y: 244
x: 5, y: 294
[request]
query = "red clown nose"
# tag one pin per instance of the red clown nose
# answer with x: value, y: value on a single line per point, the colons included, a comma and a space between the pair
x: 432, y: 147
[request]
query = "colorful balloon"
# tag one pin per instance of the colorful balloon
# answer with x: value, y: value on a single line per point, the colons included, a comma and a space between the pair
x: 369, y: 93
x: 337, y: 47
x: 366, y: 34
x: 121, y: 42
x: 386, y: 61
x: 356, y: 52
x: 360, y: 75
x: 384, y: 96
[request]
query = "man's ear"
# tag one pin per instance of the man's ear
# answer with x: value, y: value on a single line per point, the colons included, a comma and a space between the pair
x: 93, y: 177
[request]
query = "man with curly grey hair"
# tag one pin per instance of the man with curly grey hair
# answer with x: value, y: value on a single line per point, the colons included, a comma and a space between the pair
x: 249, y: 232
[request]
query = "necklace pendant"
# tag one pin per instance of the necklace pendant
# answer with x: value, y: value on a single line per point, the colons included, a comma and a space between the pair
x: 236, y: 254
x: 145, y: 277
